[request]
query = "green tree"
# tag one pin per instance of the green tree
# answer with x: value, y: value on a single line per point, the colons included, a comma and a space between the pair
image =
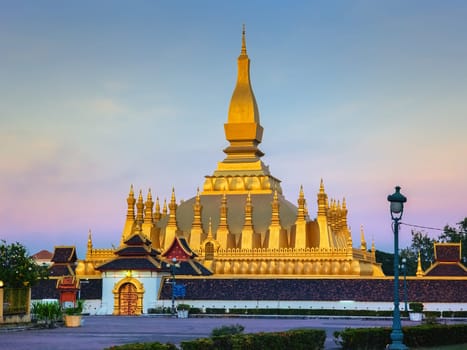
x: 411, y: 261
x: 387, y: 262
x: 17, y: 268
x: 423, y: 244
x: 456, y: 235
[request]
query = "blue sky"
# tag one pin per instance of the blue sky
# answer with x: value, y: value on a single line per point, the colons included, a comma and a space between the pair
x: 96, y: 96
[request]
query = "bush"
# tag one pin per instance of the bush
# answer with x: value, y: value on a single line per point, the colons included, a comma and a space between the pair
x: 49, y: 312
x: 418, y: 336
x: 227, y: 330
x: 301, y: 312
x: 308, y: 339
x: 183, y: 307
x: 363, y: 338
x: 159, y: 310
x: 416, y: 306
x: 143, y: 346
x: 76, y: 310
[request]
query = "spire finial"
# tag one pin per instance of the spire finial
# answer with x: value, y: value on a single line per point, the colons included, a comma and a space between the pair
x: 243, y: 52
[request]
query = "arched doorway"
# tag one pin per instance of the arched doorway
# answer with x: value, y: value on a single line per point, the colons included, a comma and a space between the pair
x: 128, y: 299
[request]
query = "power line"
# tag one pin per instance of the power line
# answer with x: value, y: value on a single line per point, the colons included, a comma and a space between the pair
x: 425, y: 227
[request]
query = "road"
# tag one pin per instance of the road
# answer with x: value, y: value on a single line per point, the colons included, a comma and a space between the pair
x: 99, y: 332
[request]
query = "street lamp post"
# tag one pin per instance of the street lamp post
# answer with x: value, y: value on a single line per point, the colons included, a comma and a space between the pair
x: 173, y: 264
x: 404, y: 269
x: 397, y: 201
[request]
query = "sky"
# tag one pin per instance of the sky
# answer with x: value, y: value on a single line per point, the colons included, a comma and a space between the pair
x: 98, y: 95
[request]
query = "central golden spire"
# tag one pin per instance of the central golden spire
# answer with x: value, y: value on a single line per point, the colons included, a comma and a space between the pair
x: 243, y: 129
x: 242, y: 171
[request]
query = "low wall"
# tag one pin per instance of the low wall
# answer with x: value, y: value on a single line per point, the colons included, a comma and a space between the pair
x: 307, y: 305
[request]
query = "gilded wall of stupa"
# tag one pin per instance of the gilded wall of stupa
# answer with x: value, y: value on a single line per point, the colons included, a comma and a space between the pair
x: 240, y: 223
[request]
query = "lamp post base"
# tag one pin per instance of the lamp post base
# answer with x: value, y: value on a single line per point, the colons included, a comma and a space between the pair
x: 396, y: 338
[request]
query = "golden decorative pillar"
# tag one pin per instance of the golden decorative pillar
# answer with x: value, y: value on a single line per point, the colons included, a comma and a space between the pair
x: 139, y: 209
x: 322, y: 217
x: 130, y: 217
x: 223, y: 228
x: 300, y: 223
x: 420, y: 272
x: 248, y: 230
x: 277, y: 236
x: 197, y: 226
x: 171, y: 229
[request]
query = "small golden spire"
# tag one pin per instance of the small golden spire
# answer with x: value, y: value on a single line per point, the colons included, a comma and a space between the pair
x: 248, y: 212
x: 321, y: 186
x: 301, y: 211
x: 148, y: 215
x: 275, y: 217
x: 420, y: 272
x: 223, y: 213
x: 173, y: 210
x: 210, y: 230
x: 131, y: 204
x: 243, y: 51
x: 89, y: 240
x: 139, y: 207
x: 362, y: 238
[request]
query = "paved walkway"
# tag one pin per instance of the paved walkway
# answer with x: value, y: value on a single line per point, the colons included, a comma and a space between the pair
x: 98, y: 332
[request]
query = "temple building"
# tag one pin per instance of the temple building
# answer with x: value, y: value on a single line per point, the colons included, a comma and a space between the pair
x: 239, y: 243
x: 240, y: 223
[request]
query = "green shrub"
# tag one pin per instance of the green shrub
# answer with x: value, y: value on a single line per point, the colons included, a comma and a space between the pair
x: 308, y: 339
x: 363, y: 338
x: 75, y: 310
x: 227, y: 330
x: 183, y: 307
x: 416, y: 306
x: 301, y: 312
x: 143, y: 346
x: 48, y: 312
x: 435, y: 335
x: 418, y: 336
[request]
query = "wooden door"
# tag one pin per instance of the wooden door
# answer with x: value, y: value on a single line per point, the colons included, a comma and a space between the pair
x: 128, y: 299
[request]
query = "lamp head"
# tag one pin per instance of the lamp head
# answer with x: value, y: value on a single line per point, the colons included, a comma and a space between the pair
x: 397, y: 200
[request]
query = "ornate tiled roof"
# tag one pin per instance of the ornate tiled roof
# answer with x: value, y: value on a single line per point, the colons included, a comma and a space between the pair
x: 179, y: 249
x: 61, y: 270
x: 64, y: 254
x: 447, y: 261
x: 140, y: 263
x: 447, y: 252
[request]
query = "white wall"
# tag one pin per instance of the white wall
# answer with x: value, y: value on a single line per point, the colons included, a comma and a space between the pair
x: 338, y: 305
x: 150, y: 280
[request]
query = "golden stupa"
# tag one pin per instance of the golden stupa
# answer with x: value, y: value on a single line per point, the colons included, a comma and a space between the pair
x: 241, y: 223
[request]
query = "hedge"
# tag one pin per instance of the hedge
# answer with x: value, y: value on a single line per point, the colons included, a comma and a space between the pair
x: 304, y: 339
x: 143, y: 346
x: 418, y: 336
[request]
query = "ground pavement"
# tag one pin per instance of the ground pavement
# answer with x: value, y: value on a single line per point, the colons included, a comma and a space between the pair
x: 98, y: 332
